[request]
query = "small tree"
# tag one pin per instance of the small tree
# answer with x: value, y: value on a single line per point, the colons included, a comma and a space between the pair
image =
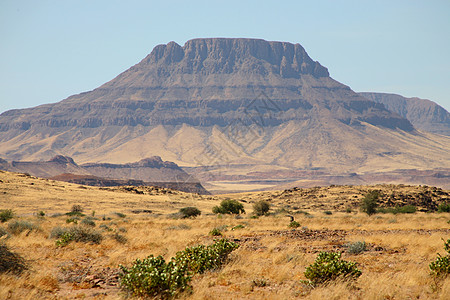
x: 370, y: 202
x: 190, y: 212
x: 229, y: 206
x: 261, y: 208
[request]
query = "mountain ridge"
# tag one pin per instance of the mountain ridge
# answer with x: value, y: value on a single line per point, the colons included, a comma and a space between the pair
x: 233, y: 106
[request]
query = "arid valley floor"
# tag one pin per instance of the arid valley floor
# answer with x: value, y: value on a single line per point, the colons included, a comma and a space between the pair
x: 271, y: 258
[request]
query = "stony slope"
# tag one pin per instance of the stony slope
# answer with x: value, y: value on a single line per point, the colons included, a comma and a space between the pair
x: 232, y: 105
x: 423, y: 114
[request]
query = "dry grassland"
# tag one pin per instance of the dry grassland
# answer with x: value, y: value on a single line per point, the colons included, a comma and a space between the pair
x: 269, y: 263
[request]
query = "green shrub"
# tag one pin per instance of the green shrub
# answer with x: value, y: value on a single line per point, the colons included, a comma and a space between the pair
x: 41, y: 213
x: 356, y: 247
x: 229, y: 206
x: 11, y: 262
x: 328, y: 212
x: 215, y: 232
x: 294, y: 224
x: 406, y: 209
x: 199, y: 259
x: 328, y: 267
x: 153, y: 277
x: 19, y: 226
x: 240, y: 226
x: 73, y: 220
x: 77, y: 234
x: 189, y: 212
x: 156, y: 278
x: 261, y: 208
x: 120, y: 215
x: 443, y: 207
x: 370, y: 202
x: 6, y: 214
x: 441, y: 266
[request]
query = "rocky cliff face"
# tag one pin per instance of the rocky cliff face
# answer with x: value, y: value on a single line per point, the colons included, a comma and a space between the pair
x: 423, y: 114
x: 246, y: 104
x: 204, y: 83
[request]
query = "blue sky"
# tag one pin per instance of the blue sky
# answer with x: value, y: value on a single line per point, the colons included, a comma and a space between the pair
x: 50, y: 50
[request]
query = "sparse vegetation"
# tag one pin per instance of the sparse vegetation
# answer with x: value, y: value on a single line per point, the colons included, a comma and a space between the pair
x: 261, y: 208
x: 6, y: 215
x: 19, y: 226
x: 271, y: 253
x: 229, y: 206
x: 120, y: 215
x: 328, y: 267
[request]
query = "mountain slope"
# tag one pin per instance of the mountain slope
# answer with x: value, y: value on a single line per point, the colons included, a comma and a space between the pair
x: 229, y: 107
x: 423, y: 114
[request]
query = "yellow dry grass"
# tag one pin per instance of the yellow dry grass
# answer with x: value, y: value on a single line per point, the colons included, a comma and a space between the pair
x: 269, y: 263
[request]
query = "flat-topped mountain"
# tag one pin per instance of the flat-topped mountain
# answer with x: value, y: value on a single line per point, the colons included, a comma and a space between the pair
x: 229, y: 107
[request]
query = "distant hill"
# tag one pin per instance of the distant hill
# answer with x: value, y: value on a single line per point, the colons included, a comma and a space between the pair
x: 226, y: 108
x: 423, y: 114
x: 151, y: 171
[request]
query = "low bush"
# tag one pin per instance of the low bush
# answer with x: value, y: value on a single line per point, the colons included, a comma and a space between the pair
x: 261, y: 208
x: 156, y: 278
x: 328, y: 212
x: 215, y: 232
x: 6, y: 215
x: 229, y: 206
x: 76, y: 210
x: 406, y: 209
x: 443, y: 207
x: 441, y: 266
x: 20, y: 226
x: 76, y: 234
x: 10, y: 261
x: 120, y: 215
x: 328, y: 267
x: 189, y: 212
x: 356, y: 247
x: 294, y: 224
